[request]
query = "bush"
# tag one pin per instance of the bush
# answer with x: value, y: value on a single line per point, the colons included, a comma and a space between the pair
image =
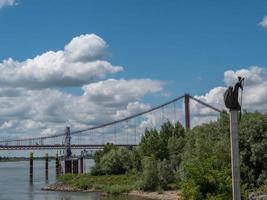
x: 149, y: 179
x: 165, y: 173
x: 190, y: 191
x: 209, y: 181
x: 116, y: 161
x: 118, y: 189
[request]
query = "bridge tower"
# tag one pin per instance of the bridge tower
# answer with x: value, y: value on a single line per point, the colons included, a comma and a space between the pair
x: 67, y: 143
x: 187, y: 110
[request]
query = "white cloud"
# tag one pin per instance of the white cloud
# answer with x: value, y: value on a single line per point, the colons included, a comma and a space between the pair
x: 44, y: 112
x: 254, y: 94
x: 82, y: 61
x: 4, y: 3
x: 31, y: 104
x: 263, y: 22
x: 85, y: 48
x: 119, y: 92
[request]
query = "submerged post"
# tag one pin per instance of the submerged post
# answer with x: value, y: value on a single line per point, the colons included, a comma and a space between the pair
x: 31, y: 167
x: 235, y: 154
x: 187, y: 111
x: 46, y: 166
x: 57, y: 165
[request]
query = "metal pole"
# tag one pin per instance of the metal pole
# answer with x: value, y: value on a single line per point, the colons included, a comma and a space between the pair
x: 187, y: 111
x: 31, y: 167
x: 235, y: 154
x: 46, y: 166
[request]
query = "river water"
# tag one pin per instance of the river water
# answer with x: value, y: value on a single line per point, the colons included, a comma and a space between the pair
x: 14, y: 184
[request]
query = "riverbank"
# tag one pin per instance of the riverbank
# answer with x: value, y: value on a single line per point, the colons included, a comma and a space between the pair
x: 107, y: 185
x: 64, y: 187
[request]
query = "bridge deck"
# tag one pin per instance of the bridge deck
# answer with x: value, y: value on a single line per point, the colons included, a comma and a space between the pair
x: 58, y: 146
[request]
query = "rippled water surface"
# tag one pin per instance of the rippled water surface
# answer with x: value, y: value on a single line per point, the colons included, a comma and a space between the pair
x: 14, y: 184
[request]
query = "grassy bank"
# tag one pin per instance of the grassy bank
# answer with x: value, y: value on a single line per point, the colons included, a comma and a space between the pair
x: 112, y: 184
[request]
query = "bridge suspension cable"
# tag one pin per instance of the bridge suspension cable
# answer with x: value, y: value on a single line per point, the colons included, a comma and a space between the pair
x: 118, y: 126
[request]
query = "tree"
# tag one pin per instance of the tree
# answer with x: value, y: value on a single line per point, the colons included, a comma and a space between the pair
x: 151, y: 145
x: 253, y: 148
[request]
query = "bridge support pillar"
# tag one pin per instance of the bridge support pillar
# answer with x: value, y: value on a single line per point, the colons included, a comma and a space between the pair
x: 46, y: 166
x: 187, y: 111
x: 31, y: 168
x: 75, y: 166
x: 81, y: 165
x: 68, y: 166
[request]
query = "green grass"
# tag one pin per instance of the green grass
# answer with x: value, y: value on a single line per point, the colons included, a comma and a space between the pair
x: 112, y: 184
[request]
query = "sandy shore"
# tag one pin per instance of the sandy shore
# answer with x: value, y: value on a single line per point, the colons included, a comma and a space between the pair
x: 166, y: 195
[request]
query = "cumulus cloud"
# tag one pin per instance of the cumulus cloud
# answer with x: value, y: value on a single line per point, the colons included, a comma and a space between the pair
x: 32, y: 105
x: 4, y: 3
x: 119, y: 92
x: 254, y: 94
x: 263, y: 22
x: 82, y: 61
x: 44, y: 112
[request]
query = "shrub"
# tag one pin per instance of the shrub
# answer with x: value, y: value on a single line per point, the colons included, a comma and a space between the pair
x: 165, y: 173
x: 116, y: 161
x: 149, y: 179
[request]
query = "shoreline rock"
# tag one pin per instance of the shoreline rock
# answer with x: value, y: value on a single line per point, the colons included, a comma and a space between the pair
x: 166, y: 195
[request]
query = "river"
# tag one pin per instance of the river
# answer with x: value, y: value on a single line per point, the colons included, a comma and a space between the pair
x: 14, y: 184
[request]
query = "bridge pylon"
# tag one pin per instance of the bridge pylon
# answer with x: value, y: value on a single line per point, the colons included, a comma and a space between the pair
x: 187, y: 110
x: 68, y: 152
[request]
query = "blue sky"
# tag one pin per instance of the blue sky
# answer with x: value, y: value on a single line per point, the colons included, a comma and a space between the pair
x: 189, y: 44
x: 85, y: 62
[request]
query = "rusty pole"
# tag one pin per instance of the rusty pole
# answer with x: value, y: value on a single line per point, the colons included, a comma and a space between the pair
x: 187, y: 111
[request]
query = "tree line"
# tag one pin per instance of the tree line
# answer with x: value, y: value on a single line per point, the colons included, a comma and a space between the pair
x: 196, y: 161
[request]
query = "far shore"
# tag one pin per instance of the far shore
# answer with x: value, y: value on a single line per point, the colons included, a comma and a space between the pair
x: 166, y: 195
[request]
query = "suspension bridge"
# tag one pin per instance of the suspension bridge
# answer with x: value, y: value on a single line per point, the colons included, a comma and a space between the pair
x: 126, y: 132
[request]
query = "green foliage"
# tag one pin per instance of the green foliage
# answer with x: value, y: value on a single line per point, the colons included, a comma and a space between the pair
x: 165, y: 173
x: 118, y: 189
x: 161, y: 152
x: 197, y: 160
x: 116, y: 161
x: 155, y: 144
x: 190, y: 191
x: 206, y: 160
x: 98, y: 154
x: 253, y: 148
x: 208, y: 179
x: 114, y: 184
x: 151, y: 144
x: 149, y: 179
